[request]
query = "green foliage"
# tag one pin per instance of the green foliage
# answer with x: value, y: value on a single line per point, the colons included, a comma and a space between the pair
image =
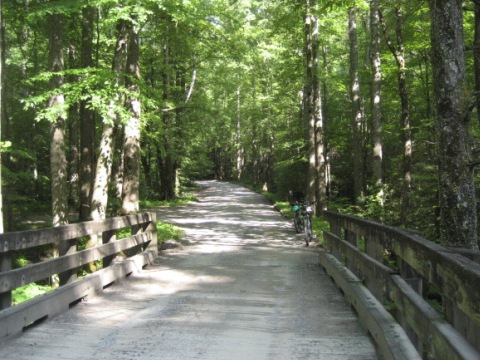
x: 319, y: 225
x: 221, y: 95
x: 284, y: 208
x: 97, y: 87
x: 28, y: 292
x: 167, y: 231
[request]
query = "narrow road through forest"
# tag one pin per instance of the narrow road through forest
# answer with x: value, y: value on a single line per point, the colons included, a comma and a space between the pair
x: 243, y: 286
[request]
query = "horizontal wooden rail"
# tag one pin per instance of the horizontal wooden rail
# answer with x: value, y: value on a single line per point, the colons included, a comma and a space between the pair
x: 141, y: 247
x: 399, y: 267
x: 11, y: 280
x: 28, y: 239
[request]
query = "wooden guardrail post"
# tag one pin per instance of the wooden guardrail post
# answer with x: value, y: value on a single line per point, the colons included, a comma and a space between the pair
x: 67, y: 247
x: 373, y: 245
x: 136, y: 229
x: 108, y: 237
x: 152, y: 226
x: 335, y: 227
x: 413, y: 279
x: 352, y: 238
x: 5, y: 265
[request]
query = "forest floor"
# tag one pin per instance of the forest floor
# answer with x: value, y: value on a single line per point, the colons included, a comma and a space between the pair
x: 241, y: 285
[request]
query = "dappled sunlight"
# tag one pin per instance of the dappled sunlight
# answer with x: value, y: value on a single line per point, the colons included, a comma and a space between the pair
x: 218, y: 224
x: 150, y: 286
x: 218, y: 232
x: 170, y: 281
x: 216, y: 247
x: 241, y: 284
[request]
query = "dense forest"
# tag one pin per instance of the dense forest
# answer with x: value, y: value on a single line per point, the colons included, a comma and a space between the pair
x: 369, y: 107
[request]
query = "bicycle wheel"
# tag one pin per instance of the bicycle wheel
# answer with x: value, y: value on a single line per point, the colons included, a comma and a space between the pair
x: 308, y: 230
x: 297, y: 221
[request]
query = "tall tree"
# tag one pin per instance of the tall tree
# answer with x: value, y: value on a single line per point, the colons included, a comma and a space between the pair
x: 376, y: 99
x: 398, y: 51
x: 357, y: 113
x: 309, y: 98
x: 131, y: 142
x: 57, y: 129
x: 87, y: 119
x: 110, y: 122
x: 320, y: 157
x: 476, y: 52
x: 458, y: 226
x: 167, y: 160
x: 2, y: 36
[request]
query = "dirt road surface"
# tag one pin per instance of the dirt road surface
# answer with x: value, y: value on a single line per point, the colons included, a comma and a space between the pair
x: 242, y: 286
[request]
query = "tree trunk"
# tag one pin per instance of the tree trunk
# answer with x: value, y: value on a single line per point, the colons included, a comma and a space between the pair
x: 405, y: 120
x: 131, y: 145
x: 399, y: 54
x: 320, y: 171
x: 107, y: 145
x: 87, y: 121
x: 2, y: 62
x: 102, y: 175
x: 376, y: 100
x: 238, y: 144
x: 476, y: 55
x: 73, y: 127
x: 357, y: 114
x: 310, y: 104
x: 458, y: 225
x: 167, y: 176
x: 58, y: 159
x: 167, y: 160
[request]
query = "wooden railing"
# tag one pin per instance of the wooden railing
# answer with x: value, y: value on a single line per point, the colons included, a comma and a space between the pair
x: 140, y: 248
x: 405, y: 274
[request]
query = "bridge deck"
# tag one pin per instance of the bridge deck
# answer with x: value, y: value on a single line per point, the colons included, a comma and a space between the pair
x: 244, y: 287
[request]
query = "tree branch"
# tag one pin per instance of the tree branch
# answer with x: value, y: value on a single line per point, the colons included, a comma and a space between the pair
x: 388, y: 41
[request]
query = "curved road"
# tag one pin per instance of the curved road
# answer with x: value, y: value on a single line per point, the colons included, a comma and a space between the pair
x: 242, y: 286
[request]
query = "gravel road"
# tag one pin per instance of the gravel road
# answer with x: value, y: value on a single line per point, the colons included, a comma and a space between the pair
x: 242, y: 286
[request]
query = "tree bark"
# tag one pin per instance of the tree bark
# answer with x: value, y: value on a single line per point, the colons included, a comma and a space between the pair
x: 405, y: 121
x: 321, y: 181
x: 476, y: 55
x: 73, y: 133
x: 58, y: 158
x: 131, y: 145
x: 240, y: 160
x: 458, y: 225
x: 310, y: 103
x: 87, y: 121
x: 399, y: 54
x: 2, y: 62
x: 376, y: 100
x: 166, y: 162
x: 357, y: 114
x: 107, y: 144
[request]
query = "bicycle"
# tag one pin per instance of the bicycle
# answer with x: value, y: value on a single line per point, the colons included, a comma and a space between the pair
x: 307, y: 226
x: 302, y: 220
x: 297, y: 217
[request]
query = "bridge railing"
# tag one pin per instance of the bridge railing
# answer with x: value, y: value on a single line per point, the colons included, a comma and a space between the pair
x: 406, y: 275
x: 139, y: 249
